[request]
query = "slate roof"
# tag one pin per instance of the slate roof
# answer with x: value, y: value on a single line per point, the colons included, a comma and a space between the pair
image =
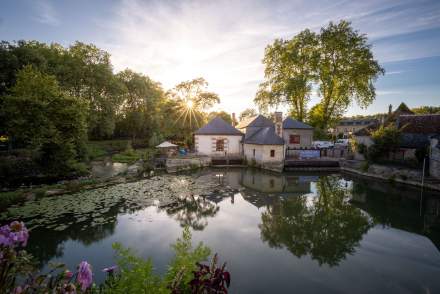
x: 290, y: 123
x: 255, y: 121
x: 244, y: 123
x: 423, y: 124
x: 264, y: 136
x: 218, y: 126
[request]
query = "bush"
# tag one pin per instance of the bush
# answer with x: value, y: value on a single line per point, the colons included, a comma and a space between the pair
x: 386, y: 139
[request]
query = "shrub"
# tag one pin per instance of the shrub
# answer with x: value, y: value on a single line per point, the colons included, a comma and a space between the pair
x: 386, y: 139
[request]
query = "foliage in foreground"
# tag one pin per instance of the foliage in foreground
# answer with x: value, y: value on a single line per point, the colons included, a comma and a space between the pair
x: 132, y: 274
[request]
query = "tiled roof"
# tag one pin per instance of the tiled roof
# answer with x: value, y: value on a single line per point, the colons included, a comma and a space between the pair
x: 260, y: 122
x: 290, y: 123
x: 218, y: 126
x: 264, y: 136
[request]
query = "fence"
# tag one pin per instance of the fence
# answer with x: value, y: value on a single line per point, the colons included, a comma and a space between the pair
x: 317, y: 153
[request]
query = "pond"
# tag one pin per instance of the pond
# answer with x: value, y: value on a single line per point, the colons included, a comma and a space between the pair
x: 279, y: 233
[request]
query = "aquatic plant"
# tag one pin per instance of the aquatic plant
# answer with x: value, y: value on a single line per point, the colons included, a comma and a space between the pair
x: 132, y: 274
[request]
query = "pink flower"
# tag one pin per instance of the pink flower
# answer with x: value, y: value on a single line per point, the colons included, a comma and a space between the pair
x: 110, y: 269
x: 68, y: 274
x: 14, y: 234
x: 85, y: 275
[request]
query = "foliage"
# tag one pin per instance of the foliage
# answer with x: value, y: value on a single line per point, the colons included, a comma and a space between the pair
x: 386, y: 139
x: 247, y: 113
x: 338, y: 62
x: 426, y: 110
x: 42, y: 117
x: 222, y: 114
x: 211, y: 279
x: 132, y: 274
x: 289, y: 73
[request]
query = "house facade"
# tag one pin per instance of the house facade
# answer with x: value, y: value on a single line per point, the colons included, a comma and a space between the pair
x: 218, y: 138
x: 297, y: 134
x: 347, y: 127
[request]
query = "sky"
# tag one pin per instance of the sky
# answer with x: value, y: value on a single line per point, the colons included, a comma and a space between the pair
x: 224, y: 40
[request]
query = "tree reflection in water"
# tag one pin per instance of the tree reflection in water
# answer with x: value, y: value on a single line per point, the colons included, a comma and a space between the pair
x: 193, y: 211
x: 324, y: 226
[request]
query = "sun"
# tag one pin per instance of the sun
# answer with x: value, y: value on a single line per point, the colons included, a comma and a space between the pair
x: 189, y: 104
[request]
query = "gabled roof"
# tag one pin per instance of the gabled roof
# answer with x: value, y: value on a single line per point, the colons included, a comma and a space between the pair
x: 290, y: 123
x: 261, y: 122
x: 264, y: 136
x: 421, y: 124
x: 258, y: 121
x: 244, y: 123
x: 218, y: 126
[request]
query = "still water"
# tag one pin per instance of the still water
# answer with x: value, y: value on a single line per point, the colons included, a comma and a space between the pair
x: 288, y: 233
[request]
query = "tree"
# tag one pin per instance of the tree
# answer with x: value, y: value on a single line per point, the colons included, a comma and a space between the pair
x: 386, y: 139
x: 190, y: 99
x: 223, y: 114
x: 43, y: 118
x: 289, y: 73
x: 338, y: 62
x: 346, y: 70
x: 426, y: 110
x: 247, y: 113
x: 139, y: 104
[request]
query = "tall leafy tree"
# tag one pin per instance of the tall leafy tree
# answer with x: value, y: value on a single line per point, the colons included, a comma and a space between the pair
x: 139, y: 106
x: 289, y: 73
x: 223, y: 114
x: 41, y: 117
x: 247, y: 113
x: 346, y: 70
x: 338, y: 62
x: 192, y: 99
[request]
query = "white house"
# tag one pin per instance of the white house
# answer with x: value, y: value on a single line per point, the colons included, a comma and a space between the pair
x: 261, y: 145
x: 297, y: 134
x: 218, y: 138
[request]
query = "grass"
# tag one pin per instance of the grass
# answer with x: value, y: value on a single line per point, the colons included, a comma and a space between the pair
x: 97, y: 149
x: 132, y: 155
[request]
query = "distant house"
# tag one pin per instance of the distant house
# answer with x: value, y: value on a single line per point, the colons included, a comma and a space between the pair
x: 347, y: 127
x: 218, y: 138
x: 416, y: 131
x: 297, y: 134
x: 434, y: 157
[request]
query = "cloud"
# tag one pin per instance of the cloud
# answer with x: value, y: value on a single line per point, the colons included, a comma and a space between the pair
x: 46, y: 13
x: 223, y: 41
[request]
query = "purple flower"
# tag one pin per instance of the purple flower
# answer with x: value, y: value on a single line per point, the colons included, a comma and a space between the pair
x: 85, y: 275
x: 14, y: 234
x: 110, y: 269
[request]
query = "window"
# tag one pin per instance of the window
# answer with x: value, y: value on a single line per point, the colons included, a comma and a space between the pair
x: 294, y: 139
x: 272, y: 183
x: 272, y: 153
x: 220, y: 145
x: 254, y: 152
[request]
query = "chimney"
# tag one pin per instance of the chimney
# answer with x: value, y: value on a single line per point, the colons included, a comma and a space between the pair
x: 390, y: 109
x: 278, y: 117
x: 234, y: 120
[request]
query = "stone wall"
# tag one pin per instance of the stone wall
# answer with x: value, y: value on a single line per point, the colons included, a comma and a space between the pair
x: 180, y: 164
x: 434, y: 164
x: 262, y: 156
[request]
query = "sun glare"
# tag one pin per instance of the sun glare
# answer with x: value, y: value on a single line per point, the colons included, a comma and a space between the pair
x: 189, y: 104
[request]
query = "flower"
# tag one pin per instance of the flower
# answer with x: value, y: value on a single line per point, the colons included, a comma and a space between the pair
x: 110, y: 269
x: 14, y: 234
x: 85, y: 275
x: 68, y: 274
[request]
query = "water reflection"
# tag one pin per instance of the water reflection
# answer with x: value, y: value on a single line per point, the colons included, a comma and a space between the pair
x: 193, y: 212
x: 323, y: 225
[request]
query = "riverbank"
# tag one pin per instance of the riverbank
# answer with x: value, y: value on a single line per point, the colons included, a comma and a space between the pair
x: 389, y: 173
